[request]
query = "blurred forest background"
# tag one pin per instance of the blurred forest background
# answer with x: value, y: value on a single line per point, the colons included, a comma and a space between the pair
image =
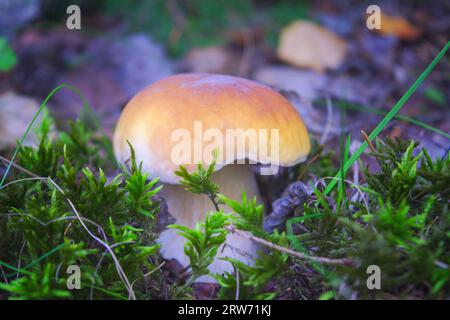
x: 125, y: 45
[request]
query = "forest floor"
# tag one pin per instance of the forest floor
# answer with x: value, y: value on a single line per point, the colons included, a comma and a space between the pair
x: 113, y: 56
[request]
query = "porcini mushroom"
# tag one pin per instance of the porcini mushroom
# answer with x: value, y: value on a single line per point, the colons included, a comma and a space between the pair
x: 170, y: 112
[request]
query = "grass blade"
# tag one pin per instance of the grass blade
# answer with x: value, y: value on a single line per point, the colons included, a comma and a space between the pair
x: 389, y: 116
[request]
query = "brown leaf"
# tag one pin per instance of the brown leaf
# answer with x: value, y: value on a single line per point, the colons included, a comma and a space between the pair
x: 400, y: 27
x: 306, y: 44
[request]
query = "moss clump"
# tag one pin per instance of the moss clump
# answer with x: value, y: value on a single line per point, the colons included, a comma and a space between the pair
x: 46, y: 211
x: 399, y: 222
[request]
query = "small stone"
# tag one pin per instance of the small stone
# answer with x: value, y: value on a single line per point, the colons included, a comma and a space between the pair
x: 16, y: 113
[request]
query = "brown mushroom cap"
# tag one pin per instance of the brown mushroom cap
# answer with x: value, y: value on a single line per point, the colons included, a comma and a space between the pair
x: 218, y: 101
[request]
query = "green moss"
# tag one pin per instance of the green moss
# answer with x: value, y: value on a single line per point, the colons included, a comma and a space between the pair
x: 402, y: 225
x: 37, y: 216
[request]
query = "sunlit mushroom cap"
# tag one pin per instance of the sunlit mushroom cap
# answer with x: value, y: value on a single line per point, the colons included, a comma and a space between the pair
x: 155, y: 120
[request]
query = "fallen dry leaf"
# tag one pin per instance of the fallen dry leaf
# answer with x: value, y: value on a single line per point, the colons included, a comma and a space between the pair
x: 398, y: 26
x: 306, y: 44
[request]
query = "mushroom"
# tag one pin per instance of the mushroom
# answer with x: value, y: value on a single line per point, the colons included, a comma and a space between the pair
x: 182, y: 119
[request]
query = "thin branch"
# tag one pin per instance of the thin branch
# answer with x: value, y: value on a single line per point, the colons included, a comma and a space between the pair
x: 20, y: 257
x: 105, y: 244
x: 7, y: 161
x: 306, y: 167
x: 213, y: 198
x: 247, y: 235
x: 149, y: 273
x: 119, y: 269
x: 366, y: 138
x: 91, y: 291
x: 44, y: 224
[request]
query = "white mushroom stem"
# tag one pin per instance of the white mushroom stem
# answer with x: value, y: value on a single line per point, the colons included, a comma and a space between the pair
x: 190, y: 208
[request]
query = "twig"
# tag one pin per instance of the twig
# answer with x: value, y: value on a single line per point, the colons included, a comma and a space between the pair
x: 20, y: 258
x: 213, y: 199
x: 306, y: 167
x: 149, y: 273
x: 366, y: 137
x: 244, y: 234
x: 91, y: 292
x: 119, y: 268
x: 44, y: 224
x: 21, y: 180
x: 7, y: 161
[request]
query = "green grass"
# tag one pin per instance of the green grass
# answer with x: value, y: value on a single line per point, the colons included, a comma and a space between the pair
x: 345, y: 165
x: 8, y: 58
x: 389, y: 116
x: 86, y: 110
x: 32, y: 263
x: 362, y: 108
